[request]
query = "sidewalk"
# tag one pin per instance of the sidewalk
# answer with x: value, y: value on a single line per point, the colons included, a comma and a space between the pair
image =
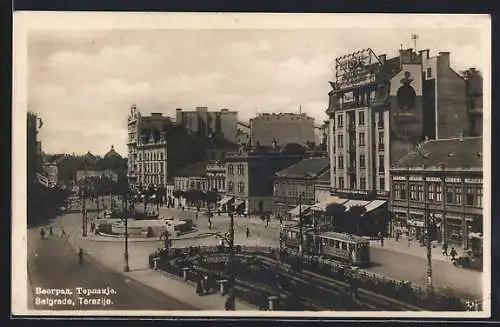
x: 111, y: 256
x: 414, y: 248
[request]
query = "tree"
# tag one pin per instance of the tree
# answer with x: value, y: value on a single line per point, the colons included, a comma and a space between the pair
x: 354, y: 218
x: 336, y: 214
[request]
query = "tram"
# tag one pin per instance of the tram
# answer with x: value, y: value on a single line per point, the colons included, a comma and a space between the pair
x: 344, y: 247
x: 333, y: 246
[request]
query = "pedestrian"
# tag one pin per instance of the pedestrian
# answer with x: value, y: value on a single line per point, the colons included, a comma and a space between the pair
x: 267, y: 221
x: 63, y: 233
x: 196, y: 216
x: 51, y: 232
x: 397, y: 236
x: 453, y: 253
x: 199, y: 288
x: 229, y: 303
x: 445, y: 249
x: 248, y: 232
x: 42, y: 233
x: 80, y: 256
x: 209, y: 224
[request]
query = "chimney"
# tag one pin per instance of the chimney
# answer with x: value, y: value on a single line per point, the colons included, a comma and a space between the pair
x: 382, y: 58
x: 444, y: 57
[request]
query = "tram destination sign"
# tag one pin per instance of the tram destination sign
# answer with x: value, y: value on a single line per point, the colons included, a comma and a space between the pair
x: 356, y: 68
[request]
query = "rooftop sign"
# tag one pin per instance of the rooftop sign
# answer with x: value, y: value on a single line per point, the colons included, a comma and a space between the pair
x: 356, y: 68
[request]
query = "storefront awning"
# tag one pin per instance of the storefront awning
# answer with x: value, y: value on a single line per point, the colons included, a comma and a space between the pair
x: 417, y: 223
x: 374, y: 205
x: 353, y: 203
x: 321, y: 206
x: 238, y: 203
x: 298, y: 210
x: 225, y: 200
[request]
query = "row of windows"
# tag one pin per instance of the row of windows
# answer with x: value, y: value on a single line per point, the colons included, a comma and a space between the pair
x: 362, y: 183
x: 294, y: 190
x: 241, y: 169
x: 151, y: 156
x: 362, y: 162
x: 152, y: 168
x: 155, y: 180
x: 454, y: 194
x: 361, y: 119
x: 241, y: 187
x: 361, y: 138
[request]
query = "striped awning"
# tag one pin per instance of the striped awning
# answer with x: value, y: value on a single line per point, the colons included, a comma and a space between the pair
x: 238, y: 203
x: 225, y: 200
x: 304, y: 208
x: 321, y: 206
x: 374, y: 205
x: 353, y: 203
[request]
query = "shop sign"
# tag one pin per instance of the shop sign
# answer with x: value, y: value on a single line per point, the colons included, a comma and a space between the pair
x: 398, y: 178
x: 474, y: 180
x: 453, y: 180
x: 416, y: 178
x: 433, y: 179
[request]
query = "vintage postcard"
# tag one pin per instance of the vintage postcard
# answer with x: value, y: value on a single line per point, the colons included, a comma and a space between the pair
x: 203, y: 164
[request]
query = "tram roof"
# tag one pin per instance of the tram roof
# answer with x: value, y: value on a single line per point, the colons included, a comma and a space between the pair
x: 344, y: 237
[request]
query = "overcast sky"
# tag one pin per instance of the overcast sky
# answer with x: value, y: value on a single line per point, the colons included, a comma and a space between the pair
x: 83, y: 83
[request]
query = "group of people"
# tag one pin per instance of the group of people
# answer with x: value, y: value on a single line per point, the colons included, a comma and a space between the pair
x: 453, y: 252
x: 43, y: 234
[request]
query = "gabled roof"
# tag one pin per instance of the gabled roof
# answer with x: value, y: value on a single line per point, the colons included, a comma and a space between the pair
x: 465, y: 153
x: 325, y: 176
x: 193, y: 170
x: 307, y: 168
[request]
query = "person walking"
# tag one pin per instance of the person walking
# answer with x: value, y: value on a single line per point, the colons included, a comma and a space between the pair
x: 445, y: 249
x: 51, y: 232
x: 63, y: 233
x: 248, y: 232
x: 42, y: 233
x: 80, y: 256
x: 453, y: 253
x: 199, y: 288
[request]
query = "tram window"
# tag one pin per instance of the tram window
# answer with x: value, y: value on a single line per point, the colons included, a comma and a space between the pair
x: 344, y: 246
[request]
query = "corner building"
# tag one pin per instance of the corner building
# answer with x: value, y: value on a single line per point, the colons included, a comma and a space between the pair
x: 379, y: 108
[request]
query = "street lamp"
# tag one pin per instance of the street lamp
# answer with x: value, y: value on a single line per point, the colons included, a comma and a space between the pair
x: 126, y: 266
x: 301, y: 226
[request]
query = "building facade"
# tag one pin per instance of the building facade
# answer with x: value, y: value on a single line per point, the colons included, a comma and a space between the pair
x: 51, y: 171
x: 295, y: 186
x: 282, y: 128
x: 216, y: 176
x: 92, y: 173
x: 243, y: 133
x: 151, y: 140
x: 474, y: 85
x: 380, y: 107
x: 322, y: 187
x: 250, y: 175
x: 442, y: 180
x: 203, y: 122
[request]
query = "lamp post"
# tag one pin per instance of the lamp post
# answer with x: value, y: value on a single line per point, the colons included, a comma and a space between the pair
x: 84, y: 204
x: 301, y: 227
x: 429, y: 222
x: 126, y: 266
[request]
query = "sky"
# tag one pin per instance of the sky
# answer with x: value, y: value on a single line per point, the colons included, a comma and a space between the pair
x: 82, y: 83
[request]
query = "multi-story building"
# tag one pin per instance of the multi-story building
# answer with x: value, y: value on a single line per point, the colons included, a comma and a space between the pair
x: 51, y: 171
x: 380, y: 107
x: 243, y: 133
x: 96, y: 173
x: 474, y: 84
x: 442, y: 180
x: 322, y: 187
x: 33, y: 147
x: 282, y: 128
x: 204, y: 123
x: 158, y: 149
x: 295, y: 186
x: 192, y: 177
x: 216, y: 176
x: 250, y: 174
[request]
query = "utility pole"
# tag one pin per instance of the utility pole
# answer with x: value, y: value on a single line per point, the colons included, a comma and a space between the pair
x: 84, y: 204
x: 428, y: 225
x: 301, y: 227
x: 126, y: 193
x: 231, y: 259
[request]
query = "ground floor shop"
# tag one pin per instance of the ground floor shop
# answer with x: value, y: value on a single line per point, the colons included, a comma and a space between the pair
x: 451, y: 228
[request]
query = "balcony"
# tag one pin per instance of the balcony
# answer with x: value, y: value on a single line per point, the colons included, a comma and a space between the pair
x: 381, y: 170
x: 351, y: 169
